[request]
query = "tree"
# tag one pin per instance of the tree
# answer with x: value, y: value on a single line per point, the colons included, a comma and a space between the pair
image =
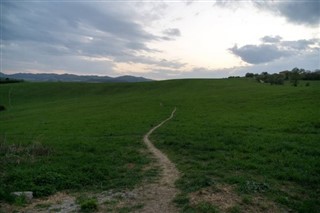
x: 249, y: 75
x: 285, y: 74
x: 294, y: 76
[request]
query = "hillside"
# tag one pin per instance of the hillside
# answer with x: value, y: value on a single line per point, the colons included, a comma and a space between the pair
x: 51, y: 77
x: 254, y: 145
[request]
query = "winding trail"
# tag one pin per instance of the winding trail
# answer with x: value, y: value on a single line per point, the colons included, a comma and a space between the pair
x: 161, y: 193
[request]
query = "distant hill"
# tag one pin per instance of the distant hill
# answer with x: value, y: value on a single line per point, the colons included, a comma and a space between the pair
x: 51, y: 77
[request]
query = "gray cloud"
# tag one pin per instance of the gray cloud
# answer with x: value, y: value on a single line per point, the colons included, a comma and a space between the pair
x: 162, y: 63
x: 51, y: 22
x: 274, y: 48
x: 308, y: 61
x: 302, y: 44
x: 271, y: 39
x: 298, y: 12
x: 257, y: 54
x: 170, y: 64
x: 301, y: 12
x: 36, y: 31
x: 305, y: 12
x: 172, y: 32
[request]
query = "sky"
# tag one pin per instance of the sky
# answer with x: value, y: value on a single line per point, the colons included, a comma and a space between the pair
x: 159, y: 39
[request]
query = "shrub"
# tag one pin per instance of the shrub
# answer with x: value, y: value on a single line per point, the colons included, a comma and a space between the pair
x: 90, y: 205
x: 249, y: 75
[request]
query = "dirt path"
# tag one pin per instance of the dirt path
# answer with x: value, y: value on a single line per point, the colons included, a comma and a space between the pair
x: 162, y: 192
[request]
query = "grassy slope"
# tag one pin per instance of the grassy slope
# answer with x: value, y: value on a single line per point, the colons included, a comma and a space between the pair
x: 92, y: 132
x: 259, y: 137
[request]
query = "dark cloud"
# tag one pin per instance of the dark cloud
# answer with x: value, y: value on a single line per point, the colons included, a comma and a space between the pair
x: 51, y: 22
x: 306, y: 12
x: 274, y: 48
x: 271, y: 39
x: 301, y: 12
x: 298, y: 12
x: 70, y: 30
x: 257, y: 54
x: 308, y: 61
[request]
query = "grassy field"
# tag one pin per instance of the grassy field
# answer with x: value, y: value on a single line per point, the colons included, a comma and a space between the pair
x: 258, y: 140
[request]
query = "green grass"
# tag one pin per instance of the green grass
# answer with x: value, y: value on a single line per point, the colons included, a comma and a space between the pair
x: 87, y: 204
x: 74, y: 136
x: 260, y: 138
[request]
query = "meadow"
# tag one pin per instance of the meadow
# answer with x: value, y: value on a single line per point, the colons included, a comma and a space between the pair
x: 259, y: 140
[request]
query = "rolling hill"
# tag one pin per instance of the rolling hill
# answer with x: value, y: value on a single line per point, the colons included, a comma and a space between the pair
x: 51, y: 77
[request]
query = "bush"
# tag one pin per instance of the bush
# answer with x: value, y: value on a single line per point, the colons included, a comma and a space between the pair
x: 249, y: 75
x: 277, y: 79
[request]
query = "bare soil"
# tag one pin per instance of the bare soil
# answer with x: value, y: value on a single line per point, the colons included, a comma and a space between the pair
x: 224, y: 197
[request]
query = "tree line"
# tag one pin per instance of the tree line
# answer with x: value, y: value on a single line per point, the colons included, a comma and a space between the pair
x: 9, y: 80
x: 293, y: 76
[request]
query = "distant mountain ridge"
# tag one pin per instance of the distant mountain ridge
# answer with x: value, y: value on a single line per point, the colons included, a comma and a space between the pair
x: 51, y: 77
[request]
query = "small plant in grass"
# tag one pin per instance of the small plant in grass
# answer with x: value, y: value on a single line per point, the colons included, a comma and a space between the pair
x: 90, y: 205
x: 234, y: 209
x: 20, y: 200
x: 111, y: 202
x: 247, y: 199
x: 130, y: 208
x: 87, y: 204
x: 43, y: 205
x: 181, y: 200
x: 195, y: 182
x: 254, y: 187
x: 206, y: 208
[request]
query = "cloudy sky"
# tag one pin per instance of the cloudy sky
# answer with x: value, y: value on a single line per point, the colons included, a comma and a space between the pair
x: 159, y: 39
